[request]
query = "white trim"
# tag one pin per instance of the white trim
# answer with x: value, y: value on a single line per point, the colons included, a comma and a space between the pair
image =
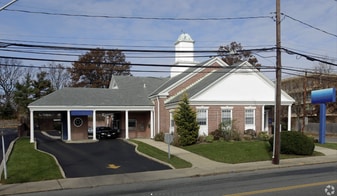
x: 100, y: 108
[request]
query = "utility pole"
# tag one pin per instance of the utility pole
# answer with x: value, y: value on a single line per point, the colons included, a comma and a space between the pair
x: 277, y: 138
x: 304, y: 101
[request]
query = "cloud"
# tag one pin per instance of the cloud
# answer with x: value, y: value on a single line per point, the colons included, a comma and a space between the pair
x: 159, y: 34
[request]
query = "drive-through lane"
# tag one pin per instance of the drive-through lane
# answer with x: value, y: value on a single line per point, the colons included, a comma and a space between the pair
x: 99, y: 158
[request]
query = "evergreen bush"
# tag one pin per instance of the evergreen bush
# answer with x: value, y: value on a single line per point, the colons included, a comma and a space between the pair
x: 186, y: 122
x: 294, y: 142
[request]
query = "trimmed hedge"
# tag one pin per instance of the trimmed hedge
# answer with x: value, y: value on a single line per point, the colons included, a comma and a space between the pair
x: 294, y: 142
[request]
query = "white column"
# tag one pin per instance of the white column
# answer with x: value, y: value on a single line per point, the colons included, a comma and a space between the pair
x: 158, y: 115
x: 68, y: 125
x: 126, y: 124
x: 151, y: 125
x: 31, y: 126
x: 263, y: 127
x: 94, y: 125
x: 289, y: 118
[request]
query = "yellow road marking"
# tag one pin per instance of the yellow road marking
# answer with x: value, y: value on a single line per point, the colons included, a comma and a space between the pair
x: 283, y: 188
x: 112, y: 166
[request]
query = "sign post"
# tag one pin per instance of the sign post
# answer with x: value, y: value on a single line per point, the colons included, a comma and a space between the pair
x: 322, y: 97
x: 4, y: 155
x: 168, y: 139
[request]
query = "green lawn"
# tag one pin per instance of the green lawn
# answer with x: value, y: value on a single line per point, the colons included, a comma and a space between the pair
x: 328, y: 145
x: 237, y: 152
x: 26, y: 164
x: 161, y: 155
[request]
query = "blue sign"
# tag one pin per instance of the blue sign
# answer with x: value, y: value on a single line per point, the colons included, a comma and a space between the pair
x: 81, y: 113
x: 323, y: 96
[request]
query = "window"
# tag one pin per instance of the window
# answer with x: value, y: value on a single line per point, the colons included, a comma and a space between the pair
x: 202, y: 116
x: 171, y: 121
x: 226, y: 116
x: 132, y: 123
x: 250, y: 116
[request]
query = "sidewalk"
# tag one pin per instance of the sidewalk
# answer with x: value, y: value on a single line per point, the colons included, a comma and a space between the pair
x: 200, y: 167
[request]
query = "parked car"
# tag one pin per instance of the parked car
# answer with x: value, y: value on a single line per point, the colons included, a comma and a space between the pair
x: 106, y: 132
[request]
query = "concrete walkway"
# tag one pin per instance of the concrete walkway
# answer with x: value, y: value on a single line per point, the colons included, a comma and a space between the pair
x: 201, y: 167
x: 196, y: 160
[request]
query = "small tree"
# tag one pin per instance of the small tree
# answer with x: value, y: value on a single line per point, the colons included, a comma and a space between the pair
x: 185, y: 119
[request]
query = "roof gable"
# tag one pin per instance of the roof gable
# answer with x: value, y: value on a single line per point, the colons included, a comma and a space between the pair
x: 187, y: 74
x: 242, y: 83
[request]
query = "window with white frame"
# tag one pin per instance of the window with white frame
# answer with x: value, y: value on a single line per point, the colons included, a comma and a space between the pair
x: 202, y: 116
x: 171, y: 119
x: 250, y: 118
x: 226, y: 116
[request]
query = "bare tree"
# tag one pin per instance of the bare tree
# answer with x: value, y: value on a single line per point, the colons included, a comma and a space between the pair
x: 323, y: 68
x: 10, y: 72
x: 234, y: 53
x: 58, y: 76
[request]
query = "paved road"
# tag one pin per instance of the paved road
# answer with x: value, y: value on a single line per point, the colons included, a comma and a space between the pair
x: 9, y: 136
x: 100, y: 158
x: 311, y: 180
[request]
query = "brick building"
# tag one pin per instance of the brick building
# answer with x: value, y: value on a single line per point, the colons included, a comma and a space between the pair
x: 300, y: 87
x: 144, y: 106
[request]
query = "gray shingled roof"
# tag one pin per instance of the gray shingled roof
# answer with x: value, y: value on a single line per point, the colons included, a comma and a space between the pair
x: 176, y: 78
x: 204, y: 83
x: 131, y: 92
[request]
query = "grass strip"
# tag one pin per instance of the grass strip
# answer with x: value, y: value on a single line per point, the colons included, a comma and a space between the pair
x: 26, y: 164
x: 161, y: 155
x: 238, y: 152
x: 328, y: 145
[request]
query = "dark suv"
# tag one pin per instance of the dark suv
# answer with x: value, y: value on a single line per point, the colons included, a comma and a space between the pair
x: 106, y: 132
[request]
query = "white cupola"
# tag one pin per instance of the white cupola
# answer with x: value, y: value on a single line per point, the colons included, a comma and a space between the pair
x: 184, y: 54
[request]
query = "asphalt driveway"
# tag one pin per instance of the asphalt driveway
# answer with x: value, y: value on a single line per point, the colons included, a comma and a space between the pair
x: 100, y: 158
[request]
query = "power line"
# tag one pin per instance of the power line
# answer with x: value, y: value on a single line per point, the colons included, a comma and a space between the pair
x: 311, y: 26
x: 138, y: 17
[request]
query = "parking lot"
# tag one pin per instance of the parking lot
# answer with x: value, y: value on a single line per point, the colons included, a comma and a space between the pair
x: 110, y: 156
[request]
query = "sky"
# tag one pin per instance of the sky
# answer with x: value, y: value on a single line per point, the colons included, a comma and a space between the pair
x: 308, y: 27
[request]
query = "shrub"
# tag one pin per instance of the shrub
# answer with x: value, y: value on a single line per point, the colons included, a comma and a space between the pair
x: 217, y: 134
x: 209, y: 138
x: 263, y: 136
x: 293, y: 142
x: 159, y: 136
